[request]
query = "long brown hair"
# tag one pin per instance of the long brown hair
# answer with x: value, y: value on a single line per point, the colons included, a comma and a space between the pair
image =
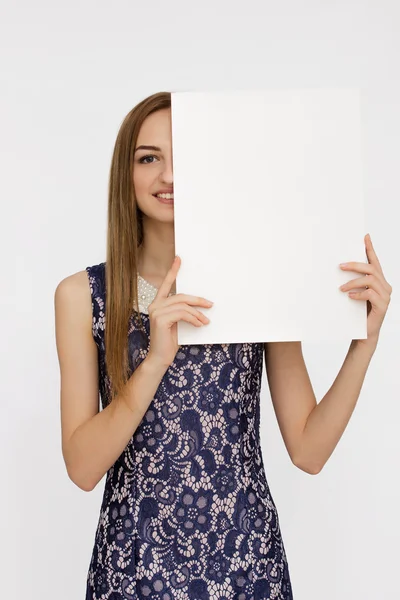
x: 124, y: 237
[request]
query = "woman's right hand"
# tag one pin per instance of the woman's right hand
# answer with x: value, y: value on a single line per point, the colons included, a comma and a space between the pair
x: 164, y: 313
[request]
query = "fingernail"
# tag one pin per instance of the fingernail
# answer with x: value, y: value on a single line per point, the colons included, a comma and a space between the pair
x: 343, y: 264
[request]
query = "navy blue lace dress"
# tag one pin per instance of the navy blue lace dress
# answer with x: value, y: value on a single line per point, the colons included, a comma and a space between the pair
x: 187, y: 512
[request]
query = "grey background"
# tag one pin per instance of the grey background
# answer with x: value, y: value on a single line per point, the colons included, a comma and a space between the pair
x: 69, y: 74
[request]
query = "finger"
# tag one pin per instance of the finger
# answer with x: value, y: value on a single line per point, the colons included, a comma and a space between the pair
x: 369, y: 281
x: 192, y: 300
x: 358, y: 267
x: 174, y: 316
x: 165, y: 287
x: 370, y: 294
x: 197, y: 313
x: 373, y: 259
x: 371, y: 254
x: 168, y: 310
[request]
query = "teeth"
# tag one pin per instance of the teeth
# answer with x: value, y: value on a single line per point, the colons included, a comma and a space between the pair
x: 165, y: 196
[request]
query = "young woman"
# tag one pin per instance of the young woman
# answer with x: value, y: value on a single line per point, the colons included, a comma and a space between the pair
x: 187, y: 512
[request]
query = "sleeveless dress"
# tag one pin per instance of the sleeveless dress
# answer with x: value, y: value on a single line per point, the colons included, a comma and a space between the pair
x: 187, y: 512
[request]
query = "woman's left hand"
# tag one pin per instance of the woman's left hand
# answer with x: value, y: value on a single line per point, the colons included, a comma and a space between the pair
x: 377, y: 292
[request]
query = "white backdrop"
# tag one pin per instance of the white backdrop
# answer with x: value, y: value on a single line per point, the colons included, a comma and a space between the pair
x: 70, y: 72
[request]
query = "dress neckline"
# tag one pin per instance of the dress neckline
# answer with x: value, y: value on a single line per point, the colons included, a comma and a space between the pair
x: 150, y: 285
x: 146, y: 293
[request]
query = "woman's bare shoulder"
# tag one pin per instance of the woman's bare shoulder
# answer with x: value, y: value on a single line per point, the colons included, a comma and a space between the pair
x: 77, y: 355
x: 74, y: 290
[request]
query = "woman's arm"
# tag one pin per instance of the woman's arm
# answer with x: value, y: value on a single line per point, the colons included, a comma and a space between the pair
x: 91, y: 440
x: 96, y: 444
x: 311, y: 431
x: 328, y: 420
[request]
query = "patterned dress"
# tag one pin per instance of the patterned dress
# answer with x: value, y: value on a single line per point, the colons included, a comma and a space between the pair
x: 187, y: 512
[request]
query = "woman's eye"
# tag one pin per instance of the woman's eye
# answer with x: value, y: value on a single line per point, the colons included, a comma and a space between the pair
x: 144, y: 158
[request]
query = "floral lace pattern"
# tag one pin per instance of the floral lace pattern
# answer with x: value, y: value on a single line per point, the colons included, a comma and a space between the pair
x: 187, y: 512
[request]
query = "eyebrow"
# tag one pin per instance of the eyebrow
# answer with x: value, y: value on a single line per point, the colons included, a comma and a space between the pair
x: 156, y: 148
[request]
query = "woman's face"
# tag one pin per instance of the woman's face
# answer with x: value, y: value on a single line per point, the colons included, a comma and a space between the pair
x: 152, y: 171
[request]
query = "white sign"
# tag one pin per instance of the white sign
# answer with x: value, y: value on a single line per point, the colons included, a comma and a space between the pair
x: 268, y: 201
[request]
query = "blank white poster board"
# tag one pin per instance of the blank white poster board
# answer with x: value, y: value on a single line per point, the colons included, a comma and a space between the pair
x: 268, y: 201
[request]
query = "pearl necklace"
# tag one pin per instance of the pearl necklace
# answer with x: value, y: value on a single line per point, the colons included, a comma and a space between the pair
x: 146, y: 294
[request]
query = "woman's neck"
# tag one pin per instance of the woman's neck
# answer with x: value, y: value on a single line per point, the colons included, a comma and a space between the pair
x: 157, y: 252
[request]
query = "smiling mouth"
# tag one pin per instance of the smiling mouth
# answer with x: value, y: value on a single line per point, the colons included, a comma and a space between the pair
x: 164, y: 200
